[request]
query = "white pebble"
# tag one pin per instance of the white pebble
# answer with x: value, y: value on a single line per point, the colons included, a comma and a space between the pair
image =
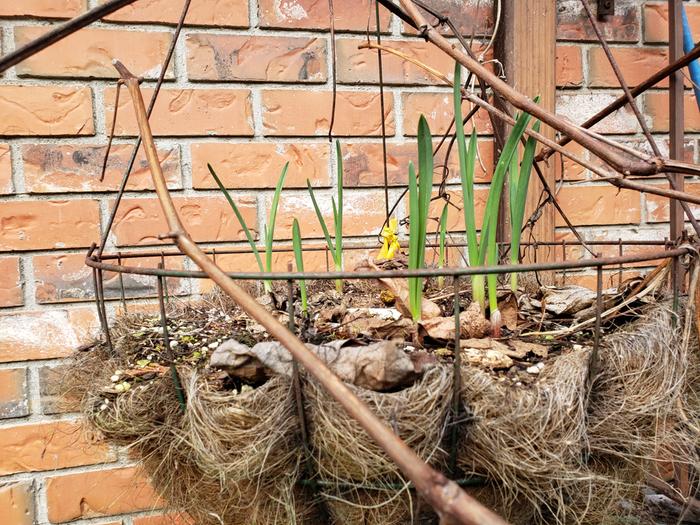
x: 174, y: 343
x: 103, y: 406
x: 114, y: 378
x: 577, y: 348
x: 535, y: 369
x: 213, y: 345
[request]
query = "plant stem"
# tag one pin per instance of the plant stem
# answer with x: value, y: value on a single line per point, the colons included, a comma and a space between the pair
x: 443, y: 235
x: 296, y: 242
x: 467, y: 163
x: 519, y: 189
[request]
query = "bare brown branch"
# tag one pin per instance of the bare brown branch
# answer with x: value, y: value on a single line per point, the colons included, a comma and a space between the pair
x: 446, y: 497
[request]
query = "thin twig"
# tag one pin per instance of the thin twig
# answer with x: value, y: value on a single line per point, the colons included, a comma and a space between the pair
x: 444, y: 495
x: 61, y: 32
x: 334, y: 69
x: 111, y: 133
x: 621, y: 164
x: 636, y: 91
x: 382, y: 109
x: 149, y: 111
x: 408, y: 58
x: 633, y: 104
x: 615, y: 180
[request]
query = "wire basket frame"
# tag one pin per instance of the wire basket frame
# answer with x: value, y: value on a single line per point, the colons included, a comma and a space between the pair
x: 100, y: 262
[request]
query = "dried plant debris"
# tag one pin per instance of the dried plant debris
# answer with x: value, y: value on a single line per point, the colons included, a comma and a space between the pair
x: 555, y: 443
x: 380, y: 366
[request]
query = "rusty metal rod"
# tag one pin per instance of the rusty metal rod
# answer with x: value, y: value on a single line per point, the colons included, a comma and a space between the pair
x: 425, y: 272
x: 676, y: 116
x: 61, y: 32
x: 457, y: 383
x: 168, y: 350
x: 620, y: 78
x: 446, y: 497
x: 363, y: 246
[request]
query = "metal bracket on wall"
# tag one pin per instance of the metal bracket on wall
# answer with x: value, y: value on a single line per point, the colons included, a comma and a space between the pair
x: 605, y: 8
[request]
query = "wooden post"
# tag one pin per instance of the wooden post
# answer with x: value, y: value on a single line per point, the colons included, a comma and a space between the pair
x: 526, y: 46
x: 675, y: 30
x: 677, y: 132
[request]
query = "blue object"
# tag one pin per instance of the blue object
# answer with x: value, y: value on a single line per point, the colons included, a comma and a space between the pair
x: 693, y: 67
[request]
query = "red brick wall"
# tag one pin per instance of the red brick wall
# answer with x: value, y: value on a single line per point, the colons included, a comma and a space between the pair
x: 248, y: 89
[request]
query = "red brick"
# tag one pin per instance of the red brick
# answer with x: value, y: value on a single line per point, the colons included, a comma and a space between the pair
x: 46, y: 334
x: 188, y: 112
x: 656, y: 21
x: 6, y: 186
x: 657, y: 107
x: 43, y: 8
x: 593, y: 205
x: 364, y: 163
x: 308, y: 113
x: 469, y: 16
x: 575, y: 251
x: 17, y: 503
x: 56, y: 168
x: 10, y: 282
x: 438, y: 110
x: 573, y: 24
x: 258, y: 165
x: 569, y: 64
x: 45, y: 110
x: 359, y: 66
x: 48, y: 446
x: 590, y: 280
x: 256, y: 58
x: 572, y: 170
x: 581, y: 106
x: 455, y: 214
x: 350, y: 15
x: 657, y: 207
x: 13, y: 393
x: 89, y: 53
x: 100, y: 493
x: 207, y: 219
x: 219, y: 13
x: 314, y: 260
x: 636, y: 64
x: 63, y: 278
x: 36, y: 225
x: 363, y: 214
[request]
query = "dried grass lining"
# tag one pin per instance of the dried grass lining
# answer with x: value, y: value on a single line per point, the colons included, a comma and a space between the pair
x: 231, y: 458
x: 552, y: 453
x: 348, y: 460
x: 556, y: 454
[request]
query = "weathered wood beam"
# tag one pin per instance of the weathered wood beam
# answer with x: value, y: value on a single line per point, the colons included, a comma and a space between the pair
x: 526, y: 46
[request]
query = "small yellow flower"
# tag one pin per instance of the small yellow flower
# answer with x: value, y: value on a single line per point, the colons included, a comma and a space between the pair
x: 391, y: 240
